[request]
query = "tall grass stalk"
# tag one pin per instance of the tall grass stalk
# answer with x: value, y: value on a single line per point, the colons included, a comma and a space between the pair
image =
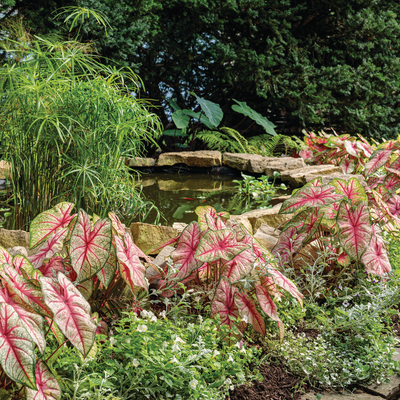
x: 67, y: 125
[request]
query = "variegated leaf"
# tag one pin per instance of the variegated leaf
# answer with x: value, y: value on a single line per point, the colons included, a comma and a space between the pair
x: 266, y: 303
x: 287, y: 284
x: 71, y: 312
x: 352, y: 189
x: 107, y: 273
x: 247, y: 308
x: 48, y: 387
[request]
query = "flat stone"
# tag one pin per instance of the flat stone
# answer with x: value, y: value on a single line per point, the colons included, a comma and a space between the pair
x: 240, y: 161
x: 269, y: 217
x: 279, y: 200
x: 141, y: 162
x: 244, y: 221
x: 18, y: 250
x: 5, y: 170
x: 283, y: 164
x: 259, y: 164
x: 145, y: 182
x: 179, y: 226
x: 339, y: 396
x: 195, y: 185
x: 163, y: 255
x: 267, y: 236
x: 10, y: 238
x: 298, y: 178
x: 202, y: 158
x: 387, y: 390
x: 149, y: 237
x: 329, y: 178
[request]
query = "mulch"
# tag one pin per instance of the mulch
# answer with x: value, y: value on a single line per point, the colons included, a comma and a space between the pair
x: 276, y: 385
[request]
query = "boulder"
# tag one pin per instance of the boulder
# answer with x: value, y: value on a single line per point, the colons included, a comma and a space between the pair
x: 179, y: 226
x: 279, y: 200
x: 269, y: 217
x: 5, y: 170
x: 202, y: 158
x: 267, y: 236
x: 258, y: 164
x: 149, y: 237
x: 18, y: 250
x: 163, y: 255
x: 140, y: 162
x: 244, y: 221
x: 240, y: 161
x: 329, y: 178
x: 298, y: 178
x: 9, y: 238
x: 196, y: 185
x: 283, y: 164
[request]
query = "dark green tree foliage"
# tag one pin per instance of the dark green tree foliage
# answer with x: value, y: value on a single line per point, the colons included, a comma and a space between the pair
x: 312, y: 63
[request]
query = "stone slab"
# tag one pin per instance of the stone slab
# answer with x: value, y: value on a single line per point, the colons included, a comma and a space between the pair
x: 269, y: 217
x: 298, y: 178
x: 196, y: 185
x: 141, y: 162
x: 283, y: 164
x: 10, y: 238
x: 202, y: 158
x: 357, y: 395
x: 5, y: 170
x: 244, y: 221
x: 387, y: 390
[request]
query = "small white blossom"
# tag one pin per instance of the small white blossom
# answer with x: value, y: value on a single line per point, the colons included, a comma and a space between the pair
x: 163, y: 314
x: 216, y: 353
x: 135, y: 363
x: 230, y: 359
x: 200, y: 319
x: 175, y: 348
x: 231, y: 388
x: 178, y: 340
x: 113, y: 341
x: 193, y: 384
x: 228, y: 381
x: 174, y: 360
x: 245, y: 319
x: 153, y: 319
x: 238, y: 345
x: 141, y: 328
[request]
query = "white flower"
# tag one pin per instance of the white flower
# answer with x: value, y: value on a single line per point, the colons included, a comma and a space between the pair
x: 193, y: 384
x: 135, y: 363
x: 141, y: 328
x: 153, y: 319
x: 230, y: 359
x: 238, y: 345
x: 113, y: 341
x: 128, y: 340
x: 243, y: 350
x: 216, y: 353
x: 174, y: 360
x: 175, y: 348
x: 245, y: 319
x: 163, y: 314
x: 231, y: 388
x: 200, y: 319
x: 178, y: 340
x: 228, y: 381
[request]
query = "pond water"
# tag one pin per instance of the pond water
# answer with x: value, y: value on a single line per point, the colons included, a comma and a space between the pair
x: 178, y: 195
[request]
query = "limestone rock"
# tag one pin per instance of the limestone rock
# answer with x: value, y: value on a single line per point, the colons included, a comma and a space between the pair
x: 141, y: 162
x: 298, y: 178
x: 259, y: 164
x: 357, y: 395
x: 240, y: 161
x: 386, y: 390
x: 149, y: 237
x: 10, y: 239
x: 163, y: 255
x: 5, y: 170
x: 244, y: 221
x: 283, y: 164
x: 18, y: 250
x: 179, y: 226
x: 267, y: 236
x: 196, y: 185
x: 279, y: 200
x: 269, y: 217
x: 329, y: 178
x: 203, y: 158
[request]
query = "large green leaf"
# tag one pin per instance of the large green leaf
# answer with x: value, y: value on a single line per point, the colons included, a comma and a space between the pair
x: 212, y: 110
x: 180, y: 119
x: 244, y: 109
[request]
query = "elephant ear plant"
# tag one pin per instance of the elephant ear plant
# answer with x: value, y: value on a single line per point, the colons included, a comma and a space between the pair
x: 81, y: 263
x: 223, y: 257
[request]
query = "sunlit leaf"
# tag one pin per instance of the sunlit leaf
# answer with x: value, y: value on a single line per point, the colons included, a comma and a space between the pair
x: 247, y: 307
x: 48, y: 387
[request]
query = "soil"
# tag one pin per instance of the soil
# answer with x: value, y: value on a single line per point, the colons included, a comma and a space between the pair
x: 276, y: 385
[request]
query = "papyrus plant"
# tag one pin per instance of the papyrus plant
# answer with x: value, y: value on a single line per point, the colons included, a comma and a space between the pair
x: 220, y: 255
x: 79, y: 262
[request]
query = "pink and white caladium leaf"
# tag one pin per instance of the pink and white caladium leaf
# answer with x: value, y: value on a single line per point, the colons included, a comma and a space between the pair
x: 374, y: 181
x: 52, y: 267
x: 266, y: 303
x: 131, y: 269
x: 348, y: 165
x: 85, y: 288
x: 377, y: 160
x: 117, y: 225
x: 216, y: 245
x: 49, y: 222
x: 352, y: 189
x: 17, y: 355
x: 289, y: 242
x: 26, y: 290
x: 343, y: 259
x: 352, y: 148
x: 53, y: 245
x: 392, y: 182
x: 202, y: 211
x: 107, y: 273
x: 33, y: 323
x: 239, y: 266
x: 184, y: 254
x: 285, y: 283
x: 214, y: 224
x: 394, y: 205
x: 311, y: 225
x: 310, y: 196
x: 375, y: 258
x: 23, y: 266
x: 248, y: 309
x: 5, y: 256
x: 90, y: 246
x: 224, y: 303
x: 355, y: 230
x: 47, y: 385
x: 71, y: 312
x: 315, y: 182
x: 306, y: 154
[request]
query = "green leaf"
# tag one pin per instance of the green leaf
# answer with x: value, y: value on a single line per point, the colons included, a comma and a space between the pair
x: 174, y: 133
x: 244, y: 109
x: 212, y: 110
x: 174, y: 104
x: 180, y: 119
x: 193, y: 114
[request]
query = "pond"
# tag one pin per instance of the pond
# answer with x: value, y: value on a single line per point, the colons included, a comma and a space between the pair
x: 178, y: 195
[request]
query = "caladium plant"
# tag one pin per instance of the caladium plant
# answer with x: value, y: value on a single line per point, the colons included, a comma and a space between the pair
x: 79, y: 264
x: 222, y: 256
